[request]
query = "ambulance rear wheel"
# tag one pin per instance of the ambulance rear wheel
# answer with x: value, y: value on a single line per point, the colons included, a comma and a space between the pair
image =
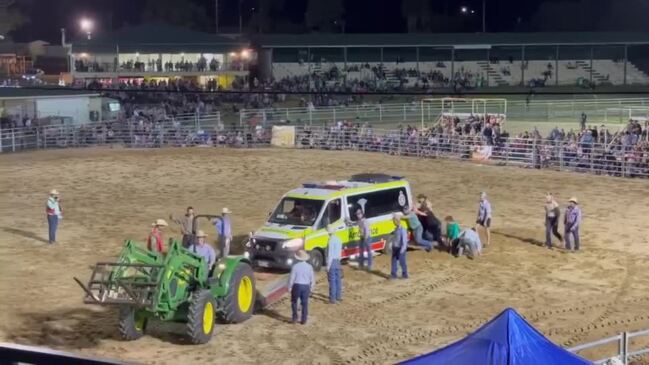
x: 316, y: 260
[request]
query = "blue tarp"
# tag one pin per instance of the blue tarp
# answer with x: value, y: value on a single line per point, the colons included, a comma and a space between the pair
x: 506, y: 340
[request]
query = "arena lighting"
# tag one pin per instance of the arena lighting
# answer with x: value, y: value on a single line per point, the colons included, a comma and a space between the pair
x: 233, y: 54
x: 86, y: 26
x: 245, y: 54
x: 464, y: 10
x: 84, y: 55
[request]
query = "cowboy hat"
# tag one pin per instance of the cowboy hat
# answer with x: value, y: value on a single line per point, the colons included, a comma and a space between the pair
x: 331, y: 229
x: 574, y: 200
x: 160, y: 222
x: 302, y: 255
x: 226, y: 211
x: 422, y: 196
x: 200, y: 234
x: 397, y: 216
x: 54, y: 192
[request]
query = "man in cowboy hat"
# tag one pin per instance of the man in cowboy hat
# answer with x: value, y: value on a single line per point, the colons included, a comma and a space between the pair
x: 54, y: 214
x: 334, y: 270
x: 399, y: 248
x: 571, y: 222
x: 365, y: 252
x: 223, y: 227
x: 204, y: 250
x: 155, y: 242
x: 186, y: 224
x: 301, y: 283
x: 484, y: 216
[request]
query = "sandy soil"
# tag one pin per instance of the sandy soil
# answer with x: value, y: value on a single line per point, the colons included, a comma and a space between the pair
x: 111, y: 195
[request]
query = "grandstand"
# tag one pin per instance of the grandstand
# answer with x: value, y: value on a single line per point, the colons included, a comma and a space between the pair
x: 472, y: 60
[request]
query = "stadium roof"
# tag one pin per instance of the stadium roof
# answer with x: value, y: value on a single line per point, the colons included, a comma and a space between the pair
x: 157, y: 38
x: 32, y: 93
x: 447, y: 39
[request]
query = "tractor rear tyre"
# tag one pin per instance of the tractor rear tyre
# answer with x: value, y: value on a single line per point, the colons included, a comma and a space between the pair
x: 201, y: 316
x: 131, y: 323
x: 316, y: 260
x: 239, y: 302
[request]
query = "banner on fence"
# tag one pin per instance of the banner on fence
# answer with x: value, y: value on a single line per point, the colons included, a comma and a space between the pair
x: 283, y: 136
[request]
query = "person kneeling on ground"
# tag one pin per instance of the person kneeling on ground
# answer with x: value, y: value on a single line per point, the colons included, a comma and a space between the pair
x: 452, y: 231
x: 204, y: 250
x: 468, y: 241
x: 417, y: 229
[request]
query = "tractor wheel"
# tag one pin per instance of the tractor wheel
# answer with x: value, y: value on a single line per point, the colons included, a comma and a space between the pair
x: 316, y: 260
x: 239, y: 302
x: 131, y: 323
x: 201, y: 316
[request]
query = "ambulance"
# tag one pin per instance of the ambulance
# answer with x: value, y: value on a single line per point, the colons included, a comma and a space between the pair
x: 300, y: 219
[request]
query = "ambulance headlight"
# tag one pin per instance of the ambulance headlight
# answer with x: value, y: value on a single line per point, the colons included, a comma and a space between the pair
x: 289, y: 261
x: 293, y: 245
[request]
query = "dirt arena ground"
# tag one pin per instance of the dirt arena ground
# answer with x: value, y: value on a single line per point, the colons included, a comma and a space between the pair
x: 110, y: 195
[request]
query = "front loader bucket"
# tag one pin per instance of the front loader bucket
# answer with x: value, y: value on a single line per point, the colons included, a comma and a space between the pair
x: 122, y: 283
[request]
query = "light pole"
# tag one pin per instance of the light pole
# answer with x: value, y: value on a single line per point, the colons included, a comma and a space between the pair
x: 484, y: 16
x: 86, y: 26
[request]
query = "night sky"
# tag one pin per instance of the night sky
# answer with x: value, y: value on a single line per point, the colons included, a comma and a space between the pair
x: 360, y: 16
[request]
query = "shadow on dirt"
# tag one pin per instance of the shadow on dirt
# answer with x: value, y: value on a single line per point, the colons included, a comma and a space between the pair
x: 22, y: 233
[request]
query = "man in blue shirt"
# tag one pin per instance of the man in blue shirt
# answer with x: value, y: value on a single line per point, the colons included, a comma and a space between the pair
x: 399, y: 248
x: 571, y: 222
x: 224, y: 230
x: 469, y: 240
x: 301, y: 283
x: 334, y: 270
x: 204, y: 250
x: 365, y: 251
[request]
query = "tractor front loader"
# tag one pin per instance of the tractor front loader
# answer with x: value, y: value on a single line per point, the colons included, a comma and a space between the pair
x: 175, y: 286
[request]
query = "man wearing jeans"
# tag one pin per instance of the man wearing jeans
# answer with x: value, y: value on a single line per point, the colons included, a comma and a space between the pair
x: 366, y: 241
x: 301, y: 283
x: 399, y: 248
x: 571, y: 222
x: 54, y: 214
x: 334, y: 270
x: 417, y: 229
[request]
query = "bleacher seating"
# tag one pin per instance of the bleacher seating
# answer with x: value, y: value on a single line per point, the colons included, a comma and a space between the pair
x: 503, y: 73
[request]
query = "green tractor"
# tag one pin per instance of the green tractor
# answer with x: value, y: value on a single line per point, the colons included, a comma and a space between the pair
x: 175, y: 286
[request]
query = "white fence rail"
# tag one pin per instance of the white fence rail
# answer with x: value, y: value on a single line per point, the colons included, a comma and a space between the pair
x: 600, y: 159
x: 624, y: 353
x: 598, y: 110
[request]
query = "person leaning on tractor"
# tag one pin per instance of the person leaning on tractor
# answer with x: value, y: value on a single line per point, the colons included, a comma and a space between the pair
x: 301, y: 283
x: 224, y: 229
x: 54, y: 214
x: 155, y: 241
x: 186, y: 224
x: 204, y: 250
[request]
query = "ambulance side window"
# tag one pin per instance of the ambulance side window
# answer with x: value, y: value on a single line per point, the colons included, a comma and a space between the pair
x: 331, y: 214
x: 377, y: 203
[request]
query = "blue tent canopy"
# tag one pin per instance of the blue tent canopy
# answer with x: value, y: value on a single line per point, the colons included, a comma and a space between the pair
x: 506, y: 340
